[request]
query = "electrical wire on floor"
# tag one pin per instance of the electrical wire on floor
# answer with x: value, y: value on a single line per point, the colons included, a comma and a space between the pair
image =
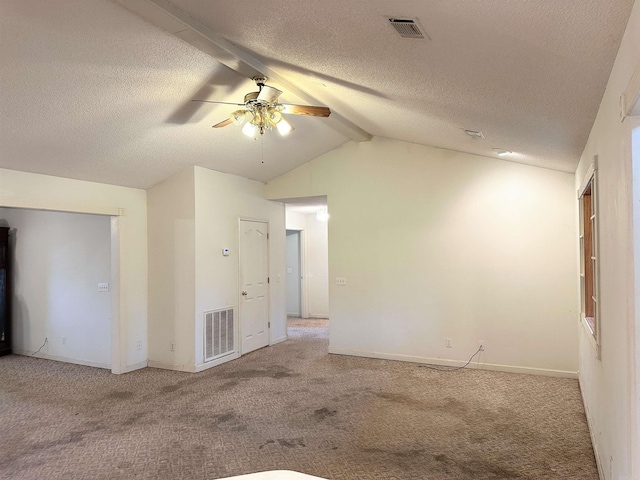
x: 444, y: 368
x: 37, y: 351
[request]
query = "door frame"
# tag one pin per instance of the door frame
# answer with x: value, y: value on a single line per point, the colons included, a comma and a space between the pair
x: 118, y: 343
x: 633, y: 322
x: 239, y: 287
x: 302, y: 273
x: 304, y: 285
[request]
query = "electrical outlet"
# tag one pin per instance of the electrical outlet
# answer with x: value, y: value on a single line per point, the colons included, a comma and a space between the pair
x: 448, y: 343
x: 481, y: 345
x: 172, y: 346
x: 103, y: 287
x: 139, y: 345
x: 341, y: 281
x: 64, y: 340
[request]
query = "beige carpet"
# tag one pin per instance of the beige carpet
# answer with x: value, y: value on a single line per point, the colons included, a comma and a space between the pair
x: 289, y: 407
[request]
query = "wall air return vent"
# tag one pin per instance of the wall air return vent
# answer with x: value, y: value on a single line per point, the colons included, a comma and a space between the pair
x: 408, y: 27
x: 218, y: 334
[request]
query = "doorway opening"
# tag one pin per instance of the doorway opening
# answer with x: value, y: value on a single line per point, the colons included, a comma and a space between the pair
x: 307, y: 267
x: 294, y: 274
x: 63, y: 289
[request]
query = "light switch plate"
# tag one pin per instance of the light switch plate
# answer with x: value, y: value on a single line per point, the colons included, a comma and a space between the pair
x: 103, y: 287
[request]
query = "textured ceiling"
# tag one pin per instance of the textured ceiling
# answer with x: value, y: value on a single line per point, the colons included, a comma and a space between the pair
x: 92, y: 91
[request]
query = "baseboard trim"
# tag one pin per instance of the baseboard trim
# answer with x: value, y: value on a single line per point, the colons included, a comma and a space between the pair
x: 193, y: 368
x: 135, y: 366
x: 278, y: 340
x: 215, y: 363
x: 169, y: 366
x: 591, y: 431
x: 57, y: 358
x: 455, y: 363
x: 319, y: 315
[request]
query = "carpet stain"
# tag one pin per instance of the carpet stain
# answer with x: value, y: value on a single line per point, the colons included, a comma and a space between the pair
x: 268, y: 442
x: 291, y: 442
x: 246, y: 374
x: 410, y: 453
x: 180, y: 384
x: 400, y: 457
x: 119, y: 395
x: 72, y: 438
x: 400, y: 399
x: 448, y: 405
x: 228, y: 385
x: 222, y: 418
x: 454, y: 407
x: 478, y: 438
x: 170, y: 388
x: 349, y: 396
x: 323, y: 413
x: 275, y: 371
x: 133, y: 418
x: 476, y: 468
x: 482, y: 469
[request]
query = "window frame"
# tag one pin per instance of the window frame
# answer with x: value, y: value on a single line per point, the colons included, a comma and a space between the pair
x: 589, y: 188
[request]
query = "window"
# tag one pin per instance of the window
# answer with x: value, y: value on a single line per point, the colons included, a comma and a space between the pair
x: 587, y: 198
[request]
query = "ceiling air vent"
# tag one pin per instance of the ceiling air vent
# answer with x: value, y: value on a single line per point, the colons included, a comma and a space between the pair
x: 407, y: 27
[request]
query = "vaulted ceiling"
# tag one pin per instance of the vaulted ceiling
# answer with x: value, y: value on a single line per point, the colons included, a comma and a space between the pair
x: 101, y: 90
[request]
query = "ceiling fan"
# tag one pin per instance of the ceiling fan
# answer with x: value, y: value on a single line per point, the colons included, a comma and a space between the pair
x: 262, y: 111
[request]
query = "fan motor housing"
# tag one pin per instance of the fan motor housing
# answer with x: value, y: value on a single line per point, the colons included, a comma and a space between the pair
x: 251, y: 97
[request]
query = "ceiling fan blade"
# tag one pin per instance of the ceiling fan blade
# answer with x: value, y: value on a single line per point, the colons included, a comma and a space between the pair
x: 306, y: 110
x: 269, y: 94
x: 223, y: 123
x: 220, y: 103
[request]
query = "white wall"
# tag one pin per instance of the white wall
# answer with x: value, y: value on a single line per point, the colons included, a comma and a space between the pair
x: 128, y: 210
x: 221, y: 200
x: 57, y: 261
x: 438, y: 244
x: 193, y: 215
x: 172, y: 274
x: 608, y: 384
x: 295, y: 220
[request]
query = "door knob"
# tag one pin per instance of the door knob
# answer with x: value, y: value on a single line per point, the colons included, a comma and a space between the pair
x: 244, y: 293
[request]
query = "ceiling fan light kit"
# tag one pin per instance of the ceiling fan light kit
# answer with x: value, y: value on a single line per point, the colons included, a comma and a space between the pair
x: 474, y: 133
x: 502, y: 152
x: 262, y: 111
x: 477, y: 134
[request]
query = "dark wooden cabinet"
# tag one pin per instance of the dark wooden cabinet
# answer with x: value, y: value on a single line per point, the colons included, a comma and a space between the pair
x: 5, y: 293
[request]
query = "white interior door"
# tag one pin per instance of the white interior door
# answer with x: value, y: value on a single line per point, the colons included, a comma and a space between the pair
x: 254, y: 286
